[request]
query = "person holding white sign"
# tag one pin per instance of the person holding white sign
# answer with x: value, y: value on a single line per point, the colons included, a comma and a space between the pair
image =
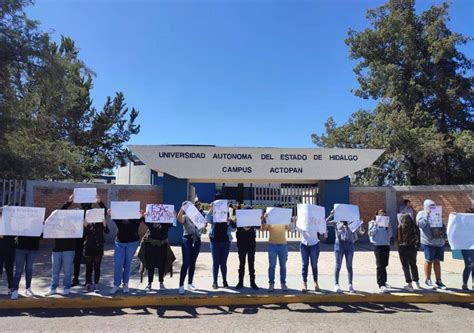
x: 408, y: 240
x: 277, y: 248
x: 432, y: 242
x: 126, y: 244
x: 94, y: 246
x: 468, y: 257
x: 190, y: 248
x: 380, y: 233
x: 220, y: 237
x: 156, y: 248
x: 63, y: 259
x: 7, y: 257
x: 246, y: 246
x: 346, y: 236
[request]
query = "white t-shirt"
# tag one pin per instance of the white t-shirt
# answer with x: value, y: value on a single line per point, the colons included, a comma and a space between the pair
x: 309, y: 238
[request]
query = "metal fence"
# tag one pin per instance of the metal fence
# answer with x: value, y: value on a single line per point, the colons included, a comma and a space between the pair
x: 12, y: 192
x: 287, y: 195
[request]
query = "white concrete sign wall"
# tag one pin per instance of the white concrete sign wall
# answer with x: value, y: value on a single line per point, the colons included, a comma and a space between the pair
x: 227, y: 164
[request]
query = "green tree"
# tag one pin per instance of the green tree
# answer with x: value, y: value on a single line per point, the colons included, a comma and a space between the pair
x: 412, y: 66
x: 50, y: 129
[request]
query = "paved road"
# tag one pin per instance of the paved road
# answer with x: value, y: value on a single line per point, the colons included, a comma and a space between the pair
x: 277, y: 318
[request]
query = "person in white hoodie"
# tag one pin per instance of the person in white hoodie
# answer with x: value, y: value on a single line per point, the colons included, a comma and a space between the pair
x: 432, y: 242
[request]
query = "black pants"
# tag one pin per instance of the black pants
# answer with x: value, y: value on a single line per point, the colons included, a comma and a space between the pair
x: 381, y: 258
x: 93, y: 264
x: 7, y: 260
x: 78, y: 259
x: 156, y: 258
x: 408, y: 258
x: 249, y: 252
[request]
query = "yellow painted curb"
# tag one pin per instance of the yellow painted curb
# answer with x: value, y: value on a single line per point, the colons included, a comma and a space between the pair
x: 223, y: 300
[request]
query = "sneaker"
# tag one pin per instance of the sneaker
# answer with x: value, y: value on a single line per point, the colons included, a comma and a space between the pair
x: 316, y: 287
x: 464, y: 287
x: 66, y: 292
x: 239, y: 285
x: 417, y: 285
x: 304, y: 290
x: 225, y: 284
x: 125, y: 288
x: 51, y: 292
x: 337, y: 289
x: 253, y: 285
x: 162, y: 286
x: 29, y: 292
x: 351, y: 288
x: 114, y: 290
x: 191, y: 287
x: 429, y: 284
x: 383, y: 290
x: 409, y: 287
x: 441, y: 285
x: 271, y: 287
x: 148, y: 287
x: 181, y: 290
x: 88, y: 288
x: 284, y: 287
x: 388, y: 286
x: 14, y: 294
x: 96, y: 288
x: 214, y: 286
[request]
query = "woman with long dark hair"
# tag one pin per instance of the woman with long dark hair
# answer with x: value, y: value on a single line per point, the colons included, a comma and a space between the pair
x: 408, y: 240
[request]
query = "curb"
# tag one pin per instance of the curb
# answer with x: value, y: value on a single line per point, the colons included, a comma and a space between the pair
x: 226, y: 300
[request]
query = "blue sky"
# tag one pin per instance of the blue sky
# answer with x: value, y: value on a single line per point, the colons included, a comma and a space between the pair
x: 230, y: 73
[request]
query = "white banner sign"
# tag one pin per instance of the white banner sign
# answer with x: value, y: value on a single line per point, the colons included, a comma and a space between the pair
x: 311, y: 218
x: 278, y: 215
x: 193, y: 213
x: 95, y: 215
x: 344, y: 212
x: 436, y: 217
x: 382, y: 221
x: 64, y: 224
x: 85, y: 195
x: 23, y: 221
x: 249, y: 217
x: 219, y: 211
x: 158, y: 213
x: 461, y: 231
x: 125, y: 210
x: 353, y: 226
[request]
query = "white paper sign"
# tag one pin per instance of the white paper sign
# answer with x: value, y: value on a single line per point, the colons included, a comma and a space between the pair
x: 125, y: 210
x: 344, y: 212
x: 219, y: 211
x: 278, y: 215
x: 436, y: 217
x: 95, y: 215
x: 193, y: 213
x: 23, y: 221
x: 2, y: 226
x: 64, y: 224
x: 353, y: 226
x: 311, y: 218
x: 85, y: 195
x: 382, y: 221
x: 158, y: 213
x: 249, y: 217
x: 461, y: 231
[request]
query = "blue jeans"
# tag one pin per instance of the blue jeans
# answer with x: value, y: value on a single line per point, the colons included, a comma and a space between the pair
x: 64, y: 260
x: 220, y: 253
x: 23, y: 261
x: 123, y: 256
x: 342, y: 249
x: 274, y: 251
x: 468, y: 256
x: 307, y: 253
x: 190, y: 251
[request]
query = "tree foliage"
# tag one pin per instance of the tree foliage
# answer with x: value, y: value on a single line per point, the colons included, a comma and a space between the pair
x: 411, y: 64
x: 49, y: 128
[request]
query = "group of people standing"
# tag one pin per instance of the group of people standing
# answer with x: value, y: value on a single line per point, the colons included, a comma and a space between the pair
x: 68, y: 254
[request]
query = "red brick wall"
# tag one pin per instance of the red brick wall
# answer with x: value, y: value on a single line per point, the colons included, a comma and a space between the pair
x: 452, y: 201
x: 369, y: 203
